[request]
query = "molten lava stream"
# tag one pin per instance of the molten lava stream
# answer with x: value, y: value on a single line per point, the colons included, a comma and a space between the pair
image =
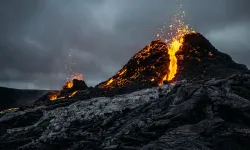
x: 173, y: 48
x: 178, y: 29
x: 72, y: 94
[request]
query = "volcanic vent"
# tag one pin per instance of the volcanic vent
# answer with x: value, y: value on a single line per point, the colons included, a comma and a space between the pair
x: 70, y: 88
x: 193, y: 57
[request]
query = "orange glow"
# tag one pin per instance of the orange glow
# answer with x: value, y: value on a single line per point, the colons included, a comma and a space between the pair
x: 54, y: 95
x: 13, y: 109
x: 123, y: 72
x: 210, y: 54
x: 127, y: 76
x: 173, y: 48
x: 110, y: 81
x: 8, y: 109
x: 163, y: 79
x: 198, y: 59
x: 69, y: 84
x: 72, y: 94
x: 181, y: 57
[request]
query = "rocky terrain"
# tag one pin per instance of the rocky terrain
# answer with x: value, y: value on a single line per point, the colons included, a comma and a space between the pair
x: 209, y: 114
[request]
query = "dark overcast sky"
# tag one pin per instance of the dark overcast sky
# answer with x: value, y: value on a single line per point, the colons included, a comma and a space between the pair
x: 36, y: 36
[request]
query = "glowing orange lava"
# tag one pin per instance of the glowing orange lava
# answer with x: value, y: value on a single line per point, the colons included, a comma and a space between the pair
x: 72, y: 94
x: 69, y: 84
x: 54, y: 96
x: 110, y: 81
x: 8, y: 109
x: 173, y: 48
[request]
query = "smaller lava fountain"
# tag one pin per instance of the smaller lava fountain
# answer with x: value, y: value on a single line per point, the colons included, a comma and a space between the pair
x: 68, y: 89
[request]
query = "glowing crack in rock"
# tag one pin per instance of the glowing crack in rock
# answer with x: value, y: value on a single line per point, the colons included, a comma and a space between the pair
x: 9, y: 109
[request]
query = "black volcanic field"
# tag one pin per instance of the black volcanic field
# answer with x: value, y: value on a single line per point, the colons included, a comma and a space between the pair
x: 10, y: 97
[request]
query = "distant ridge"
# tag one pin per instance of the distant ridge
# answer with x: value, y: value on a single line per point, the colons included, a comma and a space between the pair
x: 10, y: 97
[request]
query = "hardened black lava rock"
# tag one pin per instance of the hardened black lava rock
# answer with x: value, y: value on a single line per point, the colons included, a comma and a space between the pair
x: 198, y: 59
x: 149, y: 65
x: 208, y: 107
x: 207, y: 114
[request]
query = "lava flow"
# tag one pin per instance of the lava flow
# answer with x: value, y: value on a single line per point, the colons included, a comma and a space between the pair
x: 9, y: 109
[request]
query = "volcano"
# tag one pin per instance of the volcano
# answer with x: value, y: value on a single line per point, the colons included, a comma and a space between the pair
x: 186, y: 95
x: 193, y: 59
x: 68, y: 90
x: 196, y: 59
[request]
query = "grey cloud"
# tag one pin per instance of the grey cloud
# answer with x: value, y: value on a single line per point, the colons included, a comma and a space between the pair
x: 234, y: 40
x: 37, y: 36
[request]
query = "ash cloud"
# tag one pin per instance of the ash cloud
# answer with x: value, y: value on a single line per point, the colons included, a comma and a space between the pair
x: 37, y: 36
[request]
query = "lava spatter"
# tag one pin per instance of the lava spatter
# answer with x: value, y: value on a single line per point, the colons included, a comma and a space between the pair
x: 68, y: 85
